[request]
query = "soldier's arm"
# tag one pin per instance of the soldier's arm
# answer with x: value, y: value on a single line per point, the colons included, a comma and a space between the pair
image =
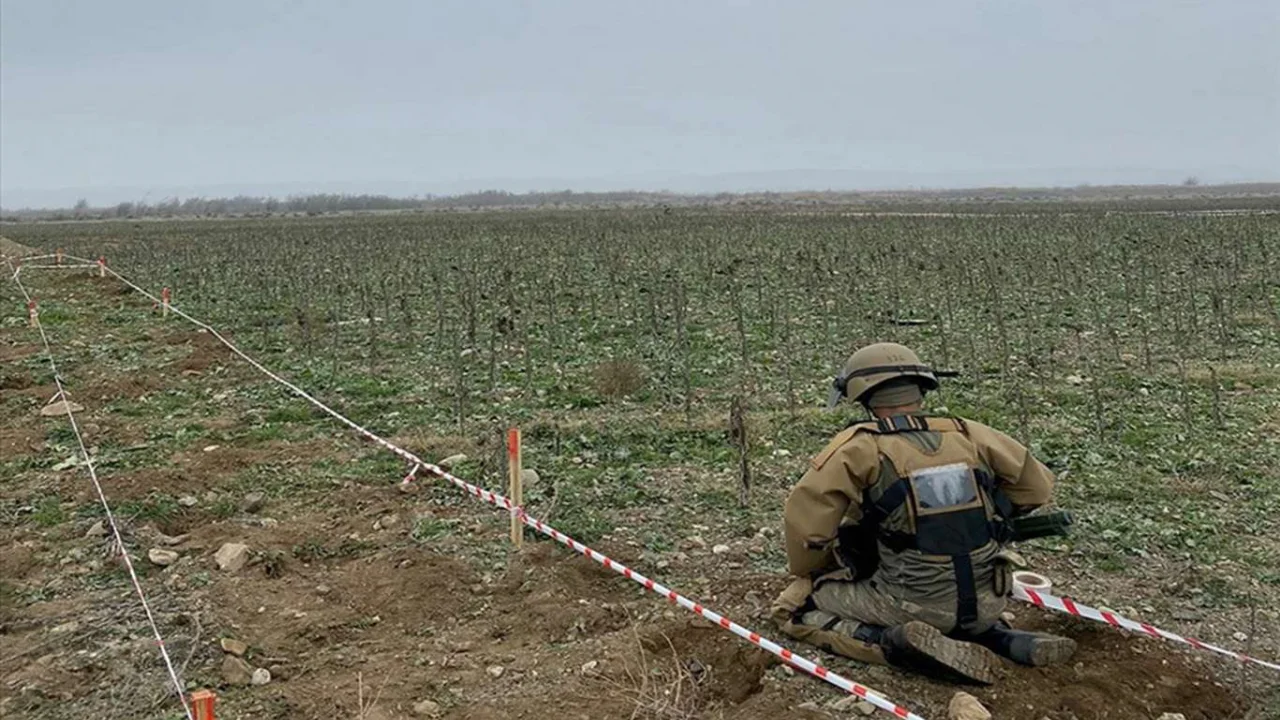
x: 830, y: 490
x: 1024, y: 479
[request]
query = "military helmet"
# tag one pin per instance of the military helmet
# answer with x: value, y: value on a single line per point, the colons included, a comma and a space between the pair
x: 877, y: 364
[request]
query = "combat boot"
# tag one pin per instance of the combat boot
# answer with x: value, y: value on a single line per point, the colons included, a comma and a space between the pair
x: 1026, y: 648
x: 922, y: 648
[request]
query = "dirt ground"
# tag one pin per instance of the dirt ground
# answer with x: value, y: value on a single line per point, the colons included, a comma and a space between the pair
x: 365, y: 601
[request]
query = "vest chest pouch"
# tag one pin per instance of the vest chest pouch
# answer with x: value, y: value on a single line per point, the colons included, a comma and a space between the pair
x: 951, y: 517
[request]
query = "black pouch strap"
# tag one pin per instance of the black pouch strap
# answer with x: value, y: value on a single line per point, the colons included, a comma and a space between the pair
x: 891, y: 499
x: 966, y: 591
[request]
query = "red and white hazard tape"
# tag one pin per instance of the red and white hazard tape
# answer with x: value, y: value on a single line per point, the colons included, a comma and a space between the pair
x: 1068, y: 606
x: 502, y: 501
x: 1025, y: 594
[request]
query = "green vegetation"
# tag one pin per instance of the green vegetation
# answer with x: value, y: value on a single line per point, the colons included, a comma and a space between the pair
x: 1137, y: 353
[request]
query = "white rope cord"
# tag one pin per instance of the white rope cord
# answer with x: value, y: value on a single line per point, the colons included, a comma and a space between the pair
x: 500, y: 500
x: 102, y: 498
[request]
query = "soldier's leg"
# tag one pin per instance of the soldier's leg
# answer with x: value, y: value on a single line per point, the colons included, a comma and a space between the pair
x: 1036, y: 649
x: 908, y: 634
x: 792, y: 611
x: 858, y: 620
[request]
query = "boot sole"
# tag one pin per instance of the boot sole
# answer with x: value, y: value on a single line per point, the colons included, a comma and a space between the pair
x: 969, y: 661
x: 1051, y: 651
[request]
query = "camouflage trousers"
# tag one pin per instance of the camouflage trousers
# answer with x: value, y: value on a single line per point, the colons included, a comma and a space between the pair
x: 830, y: 614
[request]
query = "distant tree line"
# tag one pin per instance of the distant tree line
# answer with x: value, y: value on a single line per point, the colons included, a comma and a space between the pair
x: 1148, y: 197
x: 320, y: 204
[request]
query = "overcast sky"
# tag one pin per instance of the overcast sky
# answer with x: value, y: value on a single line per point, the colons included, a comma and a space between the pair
x: 117, y: 100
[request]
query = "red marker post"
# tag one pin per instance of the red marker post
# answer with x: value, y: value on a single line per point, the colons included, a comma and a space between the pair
x: 102, y: 266
x: 164, y: 302
x: 32, y: 313
x: 516, y: 493
x: 202, y: 704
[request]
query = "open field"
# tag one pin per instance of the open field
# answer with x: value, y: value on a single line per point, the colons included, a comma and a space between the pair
x: 1138, y: 355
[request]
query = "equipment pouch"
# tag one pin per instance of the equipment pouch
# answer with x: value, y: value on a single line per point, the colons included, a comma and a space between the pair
x: 1002, y: 572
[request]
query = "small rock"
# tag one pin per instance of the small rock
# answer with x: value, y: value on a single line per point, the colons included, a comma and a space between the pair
x: 253, y: 502
x: 495, y: 671
x: 1239, y: 636
x: 278, y: 672
x: 98, y: 529
x: 386, y: 521
x: 60, y: 408
x: 236, y: 671
x: 695, y: 542
x: 1008, y: 617
x: 589, y: 666
x: 66, y: 627
x: 210, y: 448
x: 232, y: 556
x: 810, y: 707
x: 529, y: 476
x: 233, y: 646
x: 261, y: 676
x: 426, y: 708
x: 852, y: 703
x: 1173, y: 716
x: 1075, y: 380
x: 964, y: 706
x: 452, y: 461
x: 188, y: 501
x: 765, y: 531
x: 323, y: 589
x: 171, y: 539
x: 720, y: 549
x: 161, y: 557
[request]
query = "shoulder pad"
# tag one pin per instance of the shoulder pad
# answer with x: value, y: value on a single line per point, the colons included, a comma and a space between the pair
x: 832, y: 447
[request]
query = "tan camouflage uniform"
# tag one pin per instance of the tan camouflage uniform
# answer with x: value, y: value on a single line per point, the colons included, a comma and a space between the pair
x: 859, y: 468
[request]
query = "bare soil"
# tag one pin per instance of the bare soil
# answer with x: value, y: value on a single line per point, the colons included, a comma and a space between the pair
x: 342, y: 603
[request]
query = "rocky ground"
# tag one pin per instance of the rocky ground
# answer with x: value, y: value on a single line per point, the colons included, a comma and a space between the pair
x: 288, y: 570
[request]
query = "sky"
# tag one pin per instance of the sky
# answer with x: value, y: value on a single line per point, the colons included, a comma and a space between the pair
x: 142, y: 100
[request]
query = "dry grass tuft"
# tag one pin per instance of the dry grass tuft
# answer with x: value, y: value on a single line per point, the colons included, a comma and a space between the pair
x: 618, y: 378
x: 659, y: 688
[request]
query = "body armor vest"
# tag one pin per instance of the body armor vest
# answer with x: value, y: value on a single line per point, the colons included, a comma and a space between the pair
x: 934, y: 518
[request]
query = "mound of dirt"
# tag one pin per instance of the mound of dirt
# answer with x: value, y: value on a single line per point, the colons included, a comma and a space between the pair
x: 1113, y: 675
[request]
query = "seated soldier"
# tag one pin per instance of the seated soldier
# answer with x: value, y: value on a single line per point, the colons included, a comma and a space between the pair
x: 897, y: 532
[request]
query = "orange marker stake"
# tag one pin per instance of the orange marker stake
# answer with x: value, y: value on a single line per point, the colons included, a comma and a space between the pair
x: 32, y: 314
x: 516, y: 491
x: 164, y: 302
x: 202, y: 704
x: 102, y: 266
